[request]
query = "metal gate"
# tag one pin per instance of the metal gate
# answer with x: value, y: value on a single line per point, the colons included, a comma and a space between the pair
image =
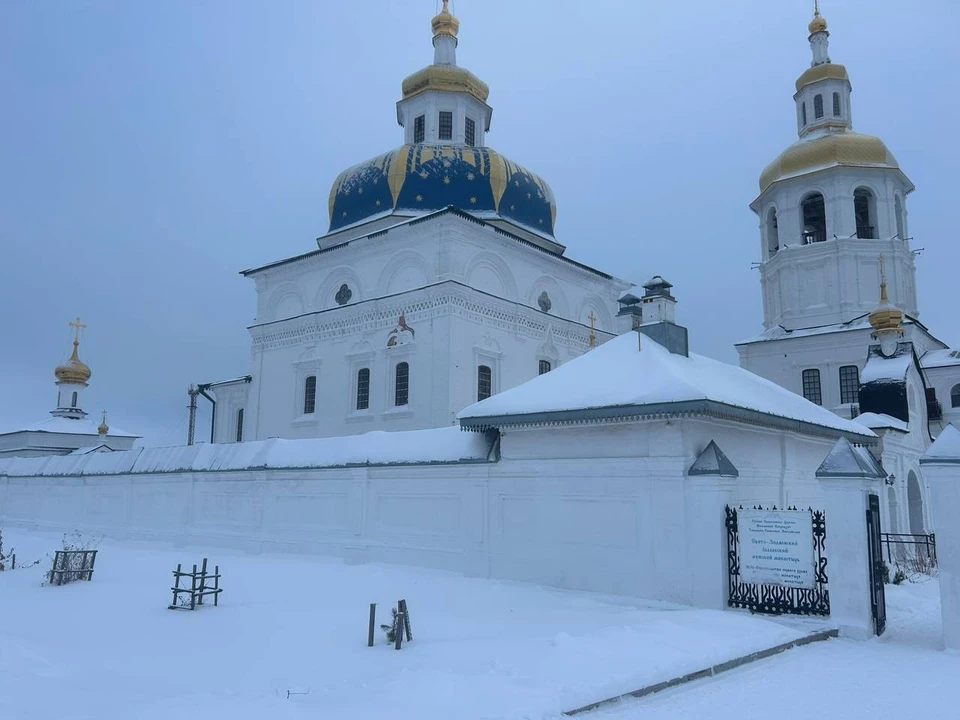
x: 878, y: 600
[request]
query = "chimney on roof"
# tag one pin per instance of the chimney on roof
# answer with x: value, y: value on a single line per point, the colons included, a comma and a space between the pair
x: 630, y: 315
x: 659, y: 309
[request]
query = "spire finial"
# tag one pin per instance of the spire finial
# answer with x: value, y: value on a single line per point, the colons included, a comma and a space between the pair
x: 77, y: 326
x: 103, y: 429
x: 818, y: 24
x: 445, y: 23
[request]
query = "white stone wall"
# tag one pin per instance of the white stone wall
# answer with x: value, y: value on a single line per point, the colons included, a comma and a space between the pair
x: 943, y: 380
x: 600, y: 508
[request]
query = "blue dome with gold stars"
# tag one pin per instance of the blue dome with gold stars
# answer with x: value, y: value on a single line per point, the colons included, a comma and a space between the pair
x: 418, y: 178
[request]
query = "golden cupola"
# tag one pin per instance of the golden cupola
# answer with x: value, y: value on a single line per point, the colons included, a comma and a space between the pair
x: 445, y: 23
x: 103, y: 428
x: 74, y: 371
x: 818, y: 24
x: 887, y: 319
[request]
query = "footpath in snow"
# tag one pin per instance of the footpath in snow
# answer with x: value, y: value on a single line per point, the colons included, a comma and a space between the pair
x: 111, y: 650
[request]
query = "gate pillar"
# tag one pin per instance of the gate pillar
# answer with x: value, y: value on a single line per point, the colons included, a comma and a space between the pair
x: 941, y: 468
x: 847, y: 477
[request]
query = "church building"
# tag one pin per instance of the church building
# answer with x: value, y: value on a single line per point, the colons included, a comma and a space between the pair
x: 439, y: 282
x: 838, y: 277
x: 69, y: 430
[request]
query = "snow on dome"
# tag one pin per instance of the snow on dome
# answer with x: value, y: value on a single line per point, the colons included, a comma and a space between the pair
x: 616, y: 379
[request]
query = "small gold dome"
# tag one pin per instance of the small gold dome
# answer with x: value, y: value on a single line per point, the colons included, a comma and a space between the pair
x: 73, y: 371
x: 886, y: 318
x: 818, y: 24
x: 445, y: 23
x: 103, y: 428
x: 445, y: 78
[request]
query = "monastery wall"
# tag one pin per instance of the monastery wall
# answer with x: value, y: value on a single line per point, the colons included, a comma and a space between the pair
x: 600, y: 508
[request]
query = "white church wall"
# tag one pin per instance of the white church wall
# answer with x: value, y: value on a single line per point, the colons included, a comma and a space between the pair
x: 599, y: 508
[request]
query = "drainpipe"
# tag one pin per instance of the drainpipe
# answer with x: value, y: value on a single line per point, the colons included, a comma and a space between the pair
x: 202, y: 389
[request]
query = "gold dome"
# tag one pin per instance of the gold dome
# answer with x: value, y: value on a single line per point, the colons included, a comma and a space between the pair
x: 886, y: 318
x: 845, y: 149
x: 826, y: 71
x: 73, y: 371
x: 445, y: 23
x: 446, y: 78
x: 818, y: 24
x: 103, y: 428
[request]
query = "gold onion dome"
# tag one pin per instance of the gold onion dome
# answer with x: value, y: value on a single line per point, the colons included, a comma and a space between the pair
x: 74, y: 370
x: 818, y: 24
x: 886, y: 318
x: 103, y: 428
x: 445, y: 23
x: 846, y: 149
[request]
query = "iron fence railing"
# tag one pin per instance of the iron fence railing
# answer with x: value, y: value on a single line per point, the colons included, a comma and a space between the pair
x: 901, y: 547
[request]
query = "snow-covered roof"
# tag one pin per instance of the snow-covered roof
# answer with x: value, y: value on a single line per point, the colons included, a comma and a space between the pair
x: 231, y: 381
x: 945, y: 450
x: 712, y: 461
x: 847, y: 461
x: 940, y: 358
x: 440, y: 445
x: 622, y: 379
x: 882, y: 369
x: 880, y: 421
x: 779, y: 332
x: 71, y: 426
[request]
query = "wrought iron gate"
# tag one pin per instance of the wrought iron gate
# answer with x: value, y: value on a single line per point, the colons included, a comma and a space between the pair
x: 878, y: 602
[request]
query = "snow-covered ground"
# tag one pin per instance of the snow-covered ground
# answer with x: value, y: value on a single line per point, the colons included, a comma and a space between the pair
x: 902, y: 675
x: 110, y: 649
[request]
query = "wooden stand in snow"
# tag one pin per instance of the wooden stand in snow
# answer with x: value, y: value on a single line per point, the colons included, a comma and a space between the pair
x: 191, y: 597
x: 70, y: 565
x: 405, y: 626
x: 373, y: 622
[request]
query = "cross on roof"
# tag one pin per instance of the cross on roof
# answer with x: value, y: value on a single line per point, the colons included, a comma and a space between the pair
x: 77, y: 326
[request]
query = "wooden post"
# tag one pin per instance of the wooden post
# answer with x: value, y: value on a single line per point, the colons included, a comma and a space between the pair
x: 176, y: 584
x: 203, y: 581
x: 216, y: 585
x: 373, y: 621
x: 398, y: 631
x: 193, y: 588
x: 402, y: 607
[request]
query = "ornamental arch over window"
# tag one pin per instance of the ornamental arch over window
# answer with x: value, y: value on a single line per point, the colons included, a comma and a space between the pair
x: 813, y: 216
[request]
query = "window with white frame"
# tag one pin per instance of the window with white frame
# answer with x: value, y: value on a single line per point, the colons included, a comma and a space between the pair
x: 401, y: 386
x: 240, y: 425
x: 849, y: 384
x: 484, y: 382
x: 446, y: 125
x: 470, y: 132
x: 310, y: 395
x: 363, y: 389
x: 811, y: 386
x: 419, y: 128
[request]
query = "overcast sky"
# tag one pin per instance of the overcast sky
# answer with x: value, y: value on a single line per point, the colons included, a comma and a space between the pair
x: 150, y: 150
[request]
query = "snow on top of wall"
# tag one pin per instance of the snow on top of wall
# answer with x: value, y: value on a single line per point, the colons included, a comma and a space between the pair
x: 880, y: 421
x: 846, y: 460
x: 883, y: 369
x: 375, y: 448
x: 940, y: 358
x: 779, y: 332
x: 618, y: 373
x: 70, y: 426
x: 945, y: 448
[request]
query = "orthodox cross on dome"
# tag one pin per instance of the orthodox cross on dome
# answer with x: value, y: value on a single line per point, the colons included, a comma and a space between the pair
x: 77, y: 326
x: 593, y: 336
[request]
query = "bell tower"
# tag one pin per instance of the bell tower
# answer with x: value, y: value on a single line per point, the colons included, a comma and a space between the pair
x: 829, y: 206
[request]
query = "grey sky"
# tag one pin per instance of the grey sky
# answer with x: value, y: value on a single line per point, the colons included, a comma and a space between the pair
x: 150, y: 150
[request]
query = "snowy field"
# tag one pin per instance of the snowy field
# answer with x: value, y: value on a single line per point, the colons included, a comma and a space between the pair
x: 110, y: 649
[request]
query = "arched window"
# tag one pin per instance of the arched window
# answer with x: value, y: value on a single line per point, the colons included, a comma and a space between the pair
x: 484, y: 382
x: 955, y: 397
x: 849, y: 384
x: 836, y: 104
x: 545, y: 367
x: 898, y: 210
x: 803, y: 113
x: 865, y: 209
x: 363, y: 389
x: 240, y: 425
x: 402, y: 385
x: 773, y: 234
x: 811, y: 386
x: 818, y: 107
x: 310, y: 395
x: 74, y: 401
x: 813, y: 215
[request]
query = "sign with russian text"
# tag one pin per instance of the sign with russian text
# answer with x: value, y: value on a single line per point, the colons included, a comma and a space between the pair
x: 776, y: 547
